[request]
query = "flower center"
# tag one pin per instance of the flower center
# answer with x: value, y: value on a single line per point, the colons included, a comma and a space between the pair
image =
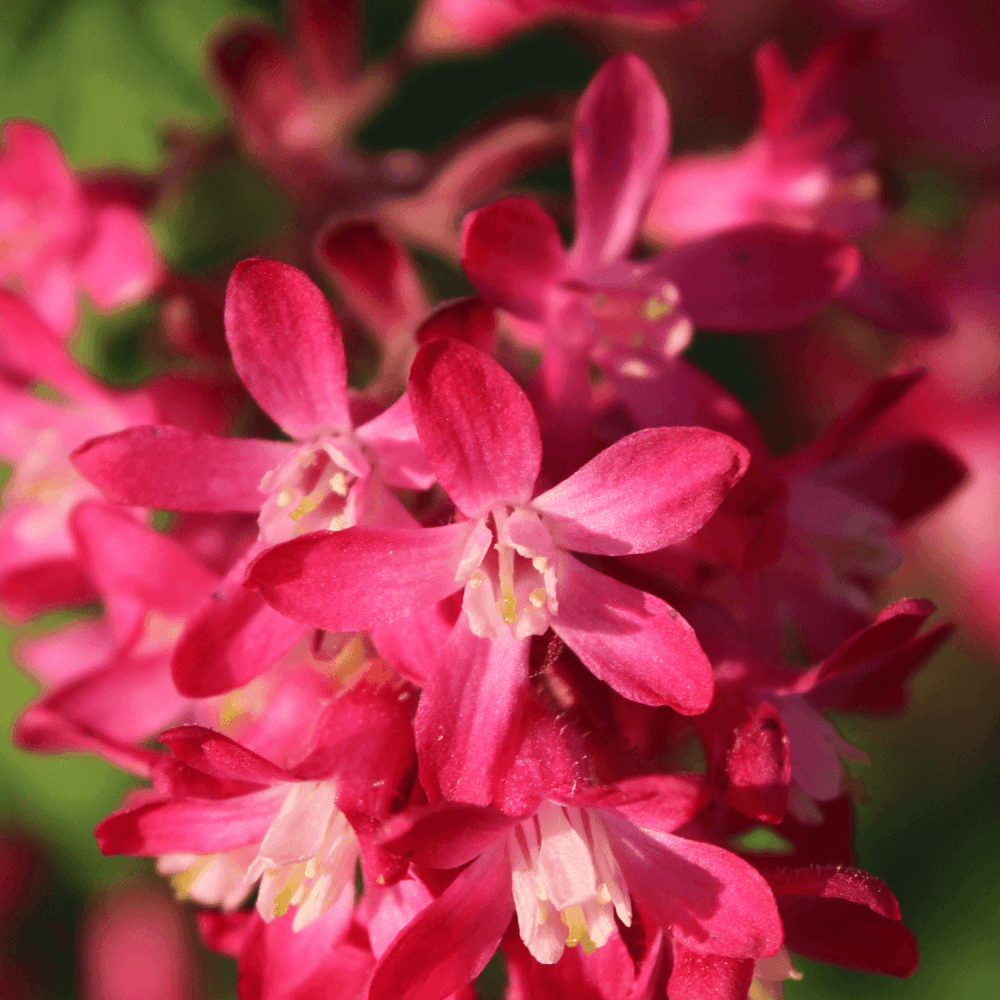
x: 313, y: 490
x: 510, y: 574
x: 562, y: 863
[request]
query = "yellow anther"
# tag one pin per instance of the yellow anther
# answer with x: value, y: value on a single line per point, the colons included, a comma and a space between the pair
x: 577, y: 932
x: 284, y: 498
x: 507, y: 605
x: 476, y: 580
x: 307, y: 506
x: 337, y: 522
x: 540, y: 563
x: 654, y: 307
x: 603, y: 895
x: 338, y: 483
x: 537, y: 597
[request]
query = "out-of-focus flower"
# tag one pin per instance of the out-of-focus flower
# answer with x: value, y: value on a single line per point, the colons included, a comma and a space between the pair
x: 56, y: 240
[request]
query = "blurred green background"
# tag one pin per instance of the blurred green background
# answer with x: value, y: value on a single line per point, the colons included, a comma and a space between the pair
x: 108, y: 76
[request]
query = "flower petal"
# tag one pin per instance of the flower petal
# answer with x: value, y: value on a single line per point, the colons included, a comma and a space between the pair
x: 660, y: 802
x: 217, y: 755
x: 193, y: 826
x: 469, y: 711
x: 758, y: 277
x: 449, y: 943
x: 287, y: 347
x: 708, y: 977
x: 476, y: 425
x: 233, y: 637
x: 345, y: 581
x: 648, y: 490
x: 513, y: 253
x: 713, y: 902
x: 392, y: 435
x: 620, y: 143
x: 170, y: 468
x: 631, y: 640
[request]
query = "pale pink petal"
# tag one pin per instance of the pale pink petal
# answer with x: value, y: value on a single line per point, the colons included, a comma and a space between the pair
x: 127, y: 559
x: 30, y: 351
x: 631, y: 640
x: 344, y: 581
x: 513, y: 254
x: 449, y: 943
x: 712, y: 901
x: 169, y: 468
x: 476, y: 425
x: 619, y: 144
x: 287, y: 347
x: 122, y: 264
x: 467, y: 720
x: 392, y: 436
x: 650, y: 489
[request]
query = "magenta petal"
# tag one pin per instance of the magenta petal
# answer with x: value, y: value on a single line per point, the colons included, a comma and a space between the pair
x: 468, y: 715
x: 660, y: 802
x: 190, y: 825
x: 287, y: 347
x: 708, y: 977
x: 476, y: 425
x: 344, y: 581
x: 650, y: 489
x: 885, y: 300
x: 513, y: 254
x: 170, y: 468
x: 619, y: 145
x: 412, y: 644
x: 233, y: 637
x: 445, y: 834
x: 632, y: 640
x: 449, y: 943
x: 219, y: 756
x: 122, y: 264
x: 712, y: 901
x: 392, y: 436
x: 758, y: 277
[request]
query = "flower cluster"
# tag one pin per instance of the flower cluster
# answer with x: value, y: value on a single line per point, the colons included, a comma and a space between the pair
x: 529, y: 642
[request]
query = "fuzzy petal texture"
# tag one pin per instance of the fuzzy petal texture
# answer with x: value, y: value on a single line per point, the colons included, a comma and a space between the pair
x: 169, y: 468
x: 287, y: 347
x: 470, y: 708
x: 449, y: 943
x: 650, y: 489
x: 513, y: 254
x: 392, y: 435
x: 631, y: 640
x: 620, y: 142
x: 345, y: 581
x: 708, y: 977
x: 476, y: 425
x: 758, y: 277
x: 713, y: 902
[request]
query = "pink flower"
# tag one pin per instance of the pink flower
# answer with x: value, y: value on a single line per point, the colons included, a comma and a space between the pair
x: 511, y: 559
x: 446, y: 25
x: 633, y: 317
x: 288, y: 350
x: 37, y: 550
x: 57, y: 241
x: 565, y: 871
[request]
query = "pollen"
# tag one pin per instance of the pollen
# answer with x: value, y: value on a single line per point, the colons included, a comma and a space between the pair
x: 338, y: 483
x: 307, y: 506
x: 507, y: 606
x: 284, y: 498
x: 537, y: 597
x: 577, y: 932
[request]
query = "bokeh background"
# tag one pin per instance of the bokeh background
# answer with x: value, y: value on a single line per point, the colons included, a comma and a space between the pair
x: 117, y: 81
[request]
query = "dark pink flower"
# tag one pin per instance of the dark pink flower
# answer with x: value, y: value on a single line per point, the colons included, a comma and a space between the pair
x: 511, y: 558
x: 566, y: 870
x: 58, y: 242
x: 287, y: 348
